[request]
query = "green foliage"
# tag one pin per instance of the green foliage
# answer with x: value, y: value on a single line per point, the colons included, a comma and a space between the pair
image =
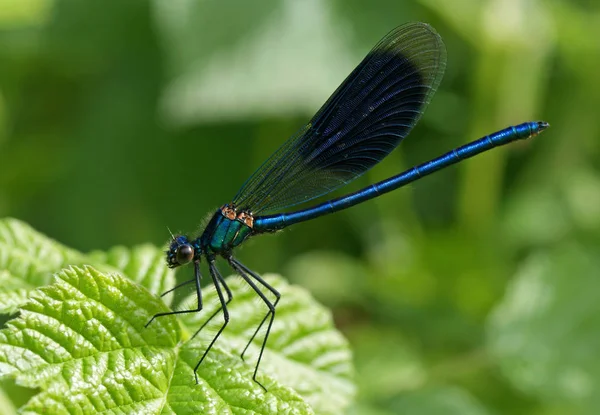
x: 118, y: 119
x: 143, y: 264
x: 544, y: 333
x: 81, y: 341
x: 438, y: 401
x: 303, y: 349
x: 27, y: 261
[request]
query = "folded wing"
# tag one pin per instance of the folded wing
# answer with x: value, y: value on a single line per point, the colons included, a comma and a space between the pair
x: 362, y: 122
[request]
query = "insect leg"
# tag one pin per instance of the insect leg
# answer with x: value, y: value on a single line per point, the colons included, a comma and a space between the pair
x: 216, y: 277
x: 243, y: 273
x: 197, y: 278
x: 268, y: 287
x: 229, y: 298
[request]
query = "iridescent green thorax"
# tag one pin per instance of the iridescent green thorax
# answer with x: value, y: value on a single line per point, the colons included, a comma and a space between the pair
x: 226, y: 230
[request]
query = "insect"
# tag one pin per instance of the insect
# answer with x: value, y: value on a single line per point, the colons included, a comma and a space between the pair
x: 367, y: 116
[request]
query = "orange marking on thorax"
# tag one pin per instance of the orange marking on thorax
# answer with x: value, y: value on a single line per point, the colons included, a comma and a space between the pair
x: 246, y: 218
x: 229, y: 212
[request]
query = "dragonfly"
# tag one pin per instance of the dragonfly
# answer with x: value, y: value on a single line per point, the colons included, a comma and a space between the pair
x: 366, y: 118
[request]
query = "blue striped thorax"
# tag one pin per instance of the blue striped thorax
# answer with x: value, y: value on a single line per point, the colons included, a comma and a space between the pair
x: 227, y: 229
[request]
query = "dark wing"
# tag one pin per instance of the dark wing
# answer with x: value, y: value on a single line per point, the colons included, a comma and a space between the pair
x: 362, y: 122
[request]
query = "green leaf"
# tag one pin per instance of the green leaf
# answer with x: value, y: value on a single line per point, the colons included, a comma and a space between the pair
x: 304, y: 349
x: 27, y: 261
x: 545, y: 332
x: 82, y: 341
x: 13, y: 292
x: 144, y: 264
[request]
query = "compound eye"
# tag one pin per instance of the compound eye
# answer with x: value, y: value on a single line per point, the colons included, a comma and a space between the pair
x: 185, y: 253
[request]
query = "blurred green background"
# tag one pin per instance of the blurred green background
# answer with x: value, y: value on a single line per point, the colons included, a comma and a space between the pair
x: 474, y: 291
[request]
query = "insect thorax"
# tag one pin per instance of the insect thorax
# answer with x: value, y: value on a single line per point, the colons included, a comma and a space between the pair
x: 227, y: 229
